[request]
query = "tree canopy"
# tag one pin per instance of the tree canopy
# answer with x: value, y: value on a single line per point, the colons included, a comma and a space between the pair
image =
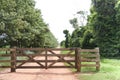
x: 22, y: 25
x: 102, y: 29
x: 104, y: 25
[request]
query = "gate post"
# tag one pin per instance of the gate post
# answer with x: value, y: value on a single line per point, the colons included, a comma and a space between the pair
x: 13, y: 60
x: 45, y: 58
x: 77, y: 60
x: 98, y: 60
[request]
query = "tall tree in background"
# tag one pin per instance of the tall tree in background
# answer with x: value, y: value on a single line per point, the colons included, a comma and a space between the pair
x: 74, y: 42
x: 117, y: 8
x: 78, y: 25
x: 102, y: 29
x: 104, y: 26
x: 22, y: 25
x: 82, y: 35
x: 67, y: 36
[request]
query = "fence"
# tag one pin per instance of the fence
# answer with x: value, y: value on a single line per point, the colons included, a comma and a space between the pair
x: 89, y: 55
x: 78, y: 57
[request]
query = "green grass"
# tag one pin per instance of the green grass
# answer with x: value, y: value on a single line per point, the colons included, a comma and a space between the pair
x: 4, y: 58
x: 110, y: 70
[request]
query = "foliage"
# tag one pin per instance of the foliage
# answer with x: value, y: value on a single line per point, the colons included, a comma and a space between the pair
x: 67, y: 41
x: 62, y: 43
x: 102, y: 29
x: 103, y: 23
x: 82, y: 36
x: 74, y: 23
x: 82, y: 18
x: 76, y: 37
x: 88, y: 41
x: 22, y: 25
x: 50, y: 40
x: 117, y: 8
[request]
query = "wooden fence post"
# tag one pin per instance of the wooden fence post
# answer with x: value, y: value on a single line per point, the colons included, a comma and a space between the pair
x: 45, y: 58
x: 98, y: 60
x: 13, y: 60
x: 77, y: 60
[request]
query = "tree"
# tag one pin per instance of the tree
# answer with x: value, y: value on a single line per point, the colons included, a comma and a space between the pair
x: 67, y: 41
x: 82, y: 18
x: 88, y: 41
x: 82, y: 35
x: 62, y: 43
x: 76, y: 37
x: 104, y: 26
x: 74, y: 23
x: 21, y: 24
x: 117, y: 8
x: 50, y: 40
x: 79, y: 20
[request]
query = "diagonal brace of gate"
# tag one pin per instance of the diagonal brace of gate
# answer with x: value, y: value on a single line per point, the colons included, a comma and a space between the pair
x: 60, y: 58
x: 30, y: 58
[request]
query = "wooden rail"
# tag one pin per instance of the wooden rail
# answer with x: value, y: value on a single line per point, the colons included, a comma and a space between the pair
x: 93, y: 57
x: 78, y: 55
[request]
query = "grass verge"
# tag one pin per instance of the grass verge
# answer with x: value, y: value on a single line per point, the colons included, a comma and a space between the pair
x: 110, y: 70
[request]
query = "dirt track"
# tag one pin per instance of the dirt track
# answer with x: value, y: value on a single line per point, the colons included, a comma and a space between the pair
x: 39, y: 74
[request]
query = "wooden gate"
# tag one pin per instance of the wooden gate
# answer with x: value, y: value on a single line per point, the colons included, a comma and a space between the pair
x: 48, y: 58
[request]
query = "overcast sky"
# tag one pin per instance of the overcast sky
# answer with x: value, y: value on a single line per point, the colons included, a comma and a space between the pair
x: 57, y: 13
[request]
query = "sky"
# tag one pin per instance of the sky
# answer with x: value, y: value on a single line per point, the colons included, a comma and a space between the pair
x: 57, y: 14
